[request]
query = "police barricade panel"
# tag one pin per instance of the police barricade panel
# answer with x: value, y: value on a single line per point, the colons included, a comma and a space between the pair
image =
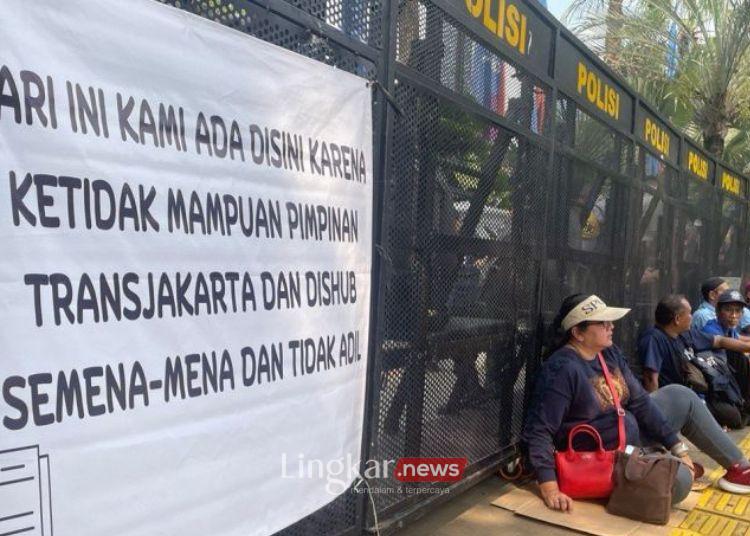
x: 433, y: 43
x: 693, y: 199
x: 658, y: 152
x: 360, y: 19
x: 515, y: 28
x: 586, y: 255
x: 593, y: 112
x: 591, y: 197
x: 733, y: 213
x: 453, y: 382
x: 261, y: 22
x: 592, y: 139
x: 691, y: 249
x: 732, y: 221
x: 648, y: 264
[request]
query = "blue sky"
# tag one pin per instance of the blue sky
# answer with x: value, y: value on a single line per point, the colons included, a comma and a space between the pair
x: 557, y: 7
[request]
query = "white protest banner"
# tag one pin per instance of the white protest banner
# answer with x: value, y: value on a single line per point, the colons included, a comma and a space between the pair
x: 185, y: 220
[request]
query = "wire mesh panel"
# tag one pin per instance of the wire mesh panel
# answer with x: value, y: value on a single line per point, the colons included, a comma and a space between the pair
x: 590, y: 212
x: 592, y: 139
x: 731, y: 224
x: 731, y: 240
x: 262, y: 23
x: 359, y: 19
x: 648, y: 267
x: 589, y: 219
x: 432, y: 43
x: 463, y: 249
x: 691, y: 261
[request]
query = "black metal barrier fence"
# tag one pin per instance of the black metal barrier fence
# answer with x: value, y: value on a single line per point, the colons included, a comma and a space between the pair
x: 513, y: 168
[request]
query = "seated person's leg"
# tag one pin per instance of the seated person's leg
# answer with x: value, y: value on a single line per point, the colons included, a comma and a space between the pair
x: 683, y: 482
x: 726, y: 414
x: 688, y: 414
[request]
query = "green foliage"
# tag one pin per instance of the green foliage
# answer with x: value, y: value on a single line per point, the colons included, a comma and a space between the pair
x: 706, y: 92
x: 464, y: 144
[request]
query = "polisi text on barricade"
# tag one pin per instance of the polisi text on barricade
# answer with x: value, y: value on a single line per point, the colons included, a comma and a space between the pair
x: 597, y: 91
x: 504, y: 19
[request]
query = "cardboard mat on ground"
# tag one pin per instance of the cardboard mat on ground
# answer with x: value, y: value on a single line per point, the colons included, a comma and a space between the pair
x: 589, y: 517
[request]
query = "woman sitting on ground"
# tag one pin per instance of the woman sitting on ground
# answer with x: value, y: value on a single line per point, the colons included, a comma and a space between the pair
x: 571, y: 390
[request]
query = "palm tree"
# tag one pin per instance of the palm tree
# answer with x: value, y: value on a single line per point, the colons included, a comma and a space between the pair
x: 708, y: 92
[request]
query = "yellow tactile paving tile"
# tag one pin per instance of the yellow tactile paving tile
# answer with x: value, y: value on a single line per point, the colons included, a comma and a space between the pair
x: 703, y: 523
x: 727, y: 504
x: 684, y: 532
x: 718, y: 513
x: 744, y: 443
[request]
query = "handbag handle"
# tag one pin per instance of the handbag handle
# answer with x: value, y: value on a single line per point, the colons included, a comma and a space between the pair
x: 616, y: 400
x: 585, y: 429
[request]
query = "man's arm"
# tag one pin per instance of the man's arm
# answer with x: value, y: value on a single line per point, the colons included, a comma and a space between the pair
x: 650, y: 380
x: 735, y: 345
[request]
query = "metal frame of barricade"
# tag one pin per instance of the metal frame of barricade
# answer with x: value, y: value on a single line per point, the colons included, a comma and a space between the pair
x: 501, y: 186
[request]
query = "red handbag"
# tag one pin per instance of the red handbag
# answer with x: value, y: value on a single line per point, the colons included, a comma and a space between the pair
x: 589, y: 475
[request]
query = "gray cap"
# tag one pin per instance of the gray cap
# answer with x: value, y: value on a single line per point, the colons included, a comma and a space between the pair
x: 731, y: 296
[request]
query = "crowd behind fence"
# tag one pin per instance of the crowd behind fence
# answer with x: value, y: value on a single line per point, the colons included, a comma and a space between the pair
x: 513, y: 168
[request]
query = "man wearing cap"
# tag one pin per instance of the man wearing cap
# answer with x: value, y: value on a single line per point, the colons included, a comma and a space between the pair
x: 726, y: 322
x: 729, y: 307
x: 669, y: 348
x: 711, y: 289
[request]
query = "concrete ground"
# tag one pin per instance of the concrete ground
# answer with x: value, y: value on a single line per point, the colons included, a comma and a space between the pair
x: 471, y: 513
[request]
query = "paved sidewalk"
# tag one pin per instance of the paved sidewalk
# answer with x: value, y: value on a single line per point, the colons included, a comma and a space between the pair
x: 472, y: 514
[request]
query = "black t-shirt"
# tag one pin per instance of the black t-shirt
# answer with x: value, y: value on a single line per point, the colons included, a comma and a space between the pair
x: 663, y: 354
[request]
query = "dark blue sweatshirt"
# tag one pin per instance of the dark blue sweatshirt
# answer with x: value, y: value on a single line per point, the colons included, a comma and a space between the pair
x: 571, y: 390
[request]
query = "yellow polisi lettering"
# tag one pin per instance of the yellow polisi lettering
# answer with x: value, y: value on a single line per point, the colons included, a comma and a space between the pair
x: 730, y: 183
x: 501, y: 20
x: 512, y: 32
x: 656, y: 136
x: 613, y: 106
x: 488, y: 21
x: 581, y: 76
x: 697, y: 165
x: 598, y: 92
x: 474, y: 7
x: 504, y: 19
x: 592, y: 87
